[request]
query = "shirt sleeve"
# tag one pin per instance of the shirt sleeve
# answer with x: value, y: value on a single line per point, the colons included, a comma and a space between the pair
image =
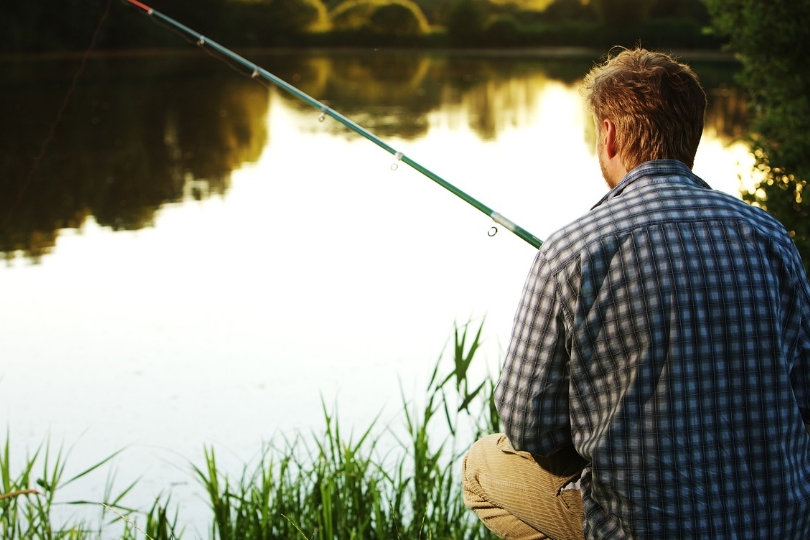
x: 800, y: 374
x: 532, y: 392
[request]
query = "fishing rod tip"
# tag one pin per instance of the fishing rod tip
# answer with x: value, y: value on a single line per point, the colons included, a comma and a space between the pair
x: 139, y: 5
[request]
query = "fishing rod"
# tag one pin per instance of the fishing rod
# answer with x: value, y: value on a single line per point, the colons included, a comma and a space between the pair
x: 257, y: 72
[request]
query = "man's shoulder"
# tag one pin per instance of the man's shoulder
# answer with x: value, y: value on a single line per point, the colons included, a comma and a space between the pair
x: 566, y: 245
x: 657, y: 202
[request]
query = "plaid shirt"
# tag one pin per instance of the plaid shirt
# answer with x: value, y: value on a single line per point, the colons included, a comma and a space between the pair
x: 666, y: 334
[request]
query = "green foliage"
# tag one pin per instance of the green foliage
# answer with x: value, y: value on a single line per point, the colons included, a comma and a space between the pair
x: 503, y: 29
x: 27, y: 499
x: 37, y: 26
x: 436, y: 11
x: 159, y: 524
x: 252, y: 23
x: 623, y: 12
x: 466, y: 21
x: 526, y: 5
x: 569, y: 10
x: 395, y: 19
x: 296, y: 16
x: 772, y: 40
x: 664, y: 34
x: 32, y: 26
x: 338, y: 487
x: 694, y: 10
x: 381, y: 17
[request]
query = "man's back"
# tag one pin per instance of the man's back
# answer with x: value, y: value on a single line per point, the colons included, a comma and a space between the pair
x: 684, y: 311
x: 664, y: 338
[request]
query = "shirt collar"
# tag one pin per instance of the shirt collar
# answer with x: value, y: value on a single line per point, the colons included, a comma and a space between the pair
x: 649, y: 169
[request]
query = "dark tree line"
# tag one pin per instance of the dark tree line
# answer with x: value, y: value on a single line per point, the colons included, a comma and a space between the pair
x: 772, y: 40
x: 38, y: 26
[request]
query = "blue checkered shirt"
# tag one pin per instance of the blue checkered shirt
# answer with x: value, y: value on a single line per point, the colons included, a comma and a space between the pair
x: 666, y: 334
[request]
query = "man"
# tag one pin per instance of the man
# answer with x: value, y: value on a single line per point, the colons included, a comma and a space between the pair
x: 657, y: 383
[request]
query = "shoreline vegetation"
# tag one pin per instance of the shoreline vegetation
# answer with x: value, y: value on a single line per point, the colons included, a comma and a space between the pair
x: 544, y: 52
x: 388, y: 482
x: 424, y: 24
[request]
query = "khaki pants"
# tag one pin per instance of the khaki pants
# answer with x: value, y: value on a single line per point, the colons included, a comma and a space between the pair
x: 518, y: 495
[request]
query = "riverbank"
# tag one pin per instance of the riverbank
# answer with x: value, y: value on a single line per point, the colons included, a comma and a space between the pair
x: 550, y: 52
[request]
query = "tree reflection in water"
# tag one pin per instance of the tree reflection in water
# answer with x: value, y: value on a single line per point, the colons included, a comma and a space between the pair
x: 135, y: 133
x: 141, y: 132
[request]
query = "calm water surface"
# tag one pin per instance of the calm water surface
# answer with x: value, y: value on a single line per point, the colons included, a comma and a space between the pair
x: 197, y: 259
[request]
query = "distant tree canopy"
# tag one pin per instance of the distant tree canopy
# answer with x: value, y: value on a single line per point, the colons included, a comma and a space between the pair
x: 436, y: 10
x: 257, y: 22
x: 386, y: 17
x: 529, y: 5
x: 34, y: 26
x: 465, y: 21
x: 397, y: 19
x: 566, y: 10
x: 623, y: 11
x: 772, y: 40
x: 683, y: 9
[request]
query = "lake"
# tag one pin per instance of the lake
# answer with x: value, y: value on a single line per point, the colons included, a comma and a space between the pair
x: 194, y: 259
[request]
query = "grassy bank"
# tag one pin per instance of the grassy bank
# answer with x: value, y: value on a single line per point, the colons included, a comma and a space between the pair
x: 387, y: 483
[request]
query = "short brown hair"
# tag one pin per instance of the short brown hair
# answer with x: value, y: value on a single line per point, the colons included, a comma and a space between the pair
x: 655, y: 102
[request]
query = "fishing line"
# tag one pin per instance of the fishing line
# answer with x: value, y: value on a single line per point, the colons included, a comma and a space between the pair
x: 258, y: 73
x: 38, y: 158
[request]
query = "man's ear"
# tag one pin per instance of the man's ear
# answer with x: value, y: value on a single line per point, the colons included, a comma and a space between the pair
x: 609, y: 137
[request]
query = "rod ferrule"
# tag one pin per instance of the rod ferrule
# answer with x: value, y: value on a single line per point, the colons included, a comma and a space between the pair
x: 502, y: 220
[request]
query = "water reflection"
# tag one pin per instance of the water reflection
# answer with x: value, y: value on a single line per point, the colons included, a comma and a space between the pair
x: 137, y: 133
x: 141, y: 132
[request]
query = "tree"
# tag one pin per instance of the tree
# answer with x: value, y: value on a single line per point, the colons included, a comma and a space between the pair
x: 297, y: 16
x: 386, y: 17
x: 681, y: 9
x: 772, y: 40
x: 466, y: 21
x: 528, y: 5
x: 271, y: 22
x: 567, y: 10
x: 623, y: 12
x: 395, y: 20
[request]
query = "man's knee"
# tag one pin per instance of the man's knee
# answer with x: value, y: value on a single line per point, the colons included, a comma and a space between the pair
x: 515, y: 496
x: 475, y: 464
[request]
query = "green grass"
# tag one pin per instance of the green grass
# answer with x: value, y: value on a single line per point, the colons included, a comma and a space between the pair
x: 388, y: 482
x: 27, y: 497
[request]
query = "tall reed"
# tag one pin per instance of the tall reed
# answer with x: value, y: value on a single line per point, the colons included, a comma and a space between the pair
x: 390, y: 482
x: 27, y: 499
x: 381, y: 485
